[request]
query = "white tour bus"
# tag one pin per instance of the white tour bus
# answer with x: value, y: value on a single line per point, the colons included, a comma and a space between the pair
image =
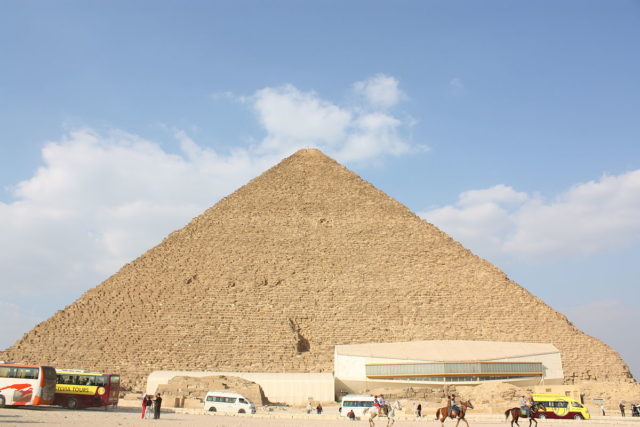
x: 22, y: 385
x: 227, y: 402
x: 356, y: 402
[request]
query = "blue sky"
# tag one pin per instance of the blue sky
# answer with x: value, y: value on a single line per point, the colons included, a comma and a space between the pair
x: 513, y: 126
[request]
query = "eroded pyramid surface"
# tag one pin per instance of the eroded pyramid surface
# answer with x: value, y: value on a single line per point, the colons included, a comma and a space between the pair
x: 305, y: 256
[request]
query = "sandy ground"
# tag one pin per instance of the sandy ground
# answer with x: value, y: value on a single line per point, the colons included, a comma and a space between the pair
x: 52, y: 416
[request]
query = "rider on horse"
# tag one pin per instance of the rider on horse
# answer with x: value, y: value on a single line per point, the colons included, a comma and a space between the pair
x: 383, y: 404
x: 524, y: 407
x: 376, y: 403
x: 453, y: 407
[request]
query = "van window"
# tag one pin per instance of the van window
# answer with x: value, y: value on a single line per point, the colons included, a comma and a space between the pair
x: 357, y: 404
x: 221, y: 399
x: 241, y: 400
x: 576, y: 405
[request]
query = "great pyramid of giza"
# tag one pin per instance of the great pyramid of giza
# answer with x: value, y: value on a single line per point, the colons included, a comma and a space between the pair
x: 305, y: 256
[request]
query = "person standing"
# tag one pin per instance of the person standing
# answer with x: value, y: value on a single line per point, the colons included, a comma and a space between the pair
x: 622, y: 409
x: 147, y: 414
x: 419, y: 410
x: 144, y: 405
x: 157, y: 404
x: 602, y: 409
x: 319, y: 408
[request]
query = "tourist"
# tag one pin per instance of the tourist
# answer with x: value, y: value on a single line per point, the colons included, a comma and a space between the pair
x: 383, y: 405
x: 157, y: 404
x: 144, y: 405
x: 309, y: 408
x: 523, y: 406
x: 602, y: 409
x: 622, y: 409
x: 149, y: 407
x: 376, y: 403
x: 419, y: 410
x: 319, y: 409
x: 453, y: 406
x: 351, y: 415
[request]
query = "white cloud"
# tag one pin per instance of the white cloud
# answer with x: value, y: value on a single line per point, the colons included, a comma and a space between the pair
x: 293, y: 119
x: 589, y: 218
x: 380, y: 91
x: 99, y: 201
x: 456, y: 86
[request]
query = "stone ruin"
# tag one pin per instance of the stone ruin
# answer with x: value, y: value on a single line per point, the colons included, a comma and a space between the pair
x: 276, y: 274
x: 181, y: 389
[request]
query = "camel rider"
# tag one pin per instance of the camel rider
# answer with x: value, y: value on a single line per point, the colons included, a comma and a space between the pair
x: 523, y: 406
x: 453, y: 406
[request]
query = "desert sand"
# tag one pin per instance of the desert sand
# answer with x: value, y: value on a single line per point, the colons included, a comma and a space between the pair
x: 53, y: 416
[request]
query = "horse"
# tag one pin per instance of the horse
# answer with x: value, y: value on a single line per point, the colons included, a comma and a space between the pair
x: 444, y: 413
x: 389, y: 411
x: 517, y: 413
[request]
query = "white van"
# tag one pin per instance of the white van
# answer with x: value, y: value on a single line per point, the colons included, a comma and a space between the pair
x: 227, y: 402
x: 356, y: 402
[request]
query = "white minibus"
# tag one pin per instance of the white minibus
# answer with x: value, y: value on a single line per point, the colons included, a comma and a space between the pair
x: 356, y: 402
x: 228, y: 402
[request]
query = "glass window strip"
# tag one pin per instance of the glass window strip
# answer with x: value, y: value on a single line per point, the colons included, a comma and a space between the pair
x: 463, y: 368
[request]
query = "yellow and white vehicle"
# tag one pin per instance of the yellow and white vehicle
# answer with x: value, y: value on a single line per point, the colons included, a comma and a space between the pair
x: 558, y: 406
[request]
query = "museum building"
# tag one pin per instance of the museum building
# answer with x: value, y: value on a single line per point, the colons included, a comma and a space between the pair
x: 362, y: 367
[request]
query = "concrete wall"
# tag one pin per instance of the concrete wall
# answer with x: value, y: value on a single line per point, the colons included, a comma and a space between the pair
x: 289, y: 388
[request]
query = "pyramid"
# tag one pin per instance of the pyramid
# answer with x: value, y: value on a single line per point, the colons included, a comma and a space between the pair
x: 305, y: 256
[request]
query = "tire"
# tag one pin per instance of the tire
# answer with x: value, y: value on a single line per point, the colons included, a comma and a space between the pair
x: 2, y: 401
x: 542, y: 417
x: 578, y: 417
x: 72, y: 403
x: 212, y: 409
x: 242, y: 411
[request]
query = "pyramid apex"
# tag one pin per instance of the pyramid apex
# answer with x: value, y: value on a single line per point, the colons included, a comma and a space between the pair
x: 309, y: 152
